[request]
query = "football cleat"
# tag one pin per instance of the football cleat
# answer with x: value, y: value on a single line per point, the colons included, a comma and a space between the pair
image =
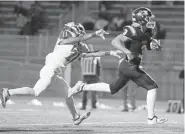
x: 156, y: 120
x: 76, y: 89
x: 4, y: 96
x: 80, y: 119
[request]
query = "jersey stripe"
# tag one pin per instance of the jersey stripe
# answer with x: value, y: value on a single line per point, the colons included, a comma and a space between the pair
x: 75, y: 53
x: 133, y: 31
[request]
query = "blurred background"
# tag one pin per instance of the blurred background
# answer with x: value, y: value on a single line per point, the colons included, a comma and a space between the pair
x: 29, y: 30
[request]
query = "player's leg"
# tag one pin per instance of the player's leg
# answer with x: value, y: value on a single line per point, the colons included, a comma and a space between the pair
x: 120, y: 81
x: 86, y: 79
x: 47, y: 75
x: 94, y: 99
x: 133, y: 87
x: 125, y: 97
x: 81, y: 86
x: 70, y: 102
x: 145, y: 81
x: 22, y: 90
x: 112, y: 88
x: 84, y: 100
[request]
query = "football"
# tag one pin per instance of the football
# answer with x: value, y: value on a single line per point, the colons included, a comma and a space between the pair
x: 155, y: 45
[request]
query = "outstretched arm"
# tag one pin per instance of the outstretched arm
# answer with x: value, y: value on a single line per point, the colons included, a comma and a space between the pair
x: 85, y: 37
x: 102, y: 53
x: 119, y: 42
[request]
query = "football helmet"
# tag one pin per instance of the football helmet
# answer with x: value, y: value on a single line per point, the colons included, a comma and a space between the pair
x: 72, y: 29
x: 75, y: 29
x: 144, y: 17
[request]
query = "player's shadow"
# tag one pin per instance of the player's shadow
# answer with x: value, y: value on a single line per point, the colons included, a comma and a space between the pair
x: 61, y: 131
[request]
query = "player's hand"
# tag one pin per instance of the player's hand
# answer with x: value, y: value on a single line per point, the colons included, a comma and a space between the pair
x: 155, y: 45
x: 130, y: 56
x: 101, y: 33
x: 116, y: 53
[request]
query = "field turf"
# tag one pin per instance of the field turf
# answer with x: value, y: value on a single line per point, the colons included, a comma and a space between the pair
x: 22, y: 118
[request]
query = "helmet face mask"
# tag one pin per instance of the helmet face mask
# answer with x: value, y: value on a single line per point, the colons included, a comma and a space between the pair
x: 72, y: 28
x: 75, y: 29
x: 144, y: 17
x: 151, y: 23
x: 81, y: 29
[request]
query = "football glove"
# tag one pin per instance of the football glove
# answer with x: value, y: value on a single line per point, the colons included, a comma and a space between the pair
x: 101, y: 33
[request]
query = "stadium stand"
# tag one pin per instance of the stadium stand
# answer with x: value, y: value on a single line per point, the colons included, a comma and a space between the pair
x: 9, y: 18
x: 170, y: 17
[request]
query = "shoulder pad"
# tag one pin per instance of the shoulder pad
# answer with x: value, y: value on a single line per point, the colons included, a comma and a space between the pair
x: 129, y: 31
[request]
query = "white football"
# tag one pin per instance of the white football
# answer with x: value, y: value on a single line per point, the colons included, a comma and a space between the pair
x: 154, y: 44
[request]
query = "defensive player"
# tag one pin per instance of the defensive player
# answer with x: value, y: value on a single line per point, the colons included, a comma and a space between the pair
x: 131, y: 42
x: 68, y: 47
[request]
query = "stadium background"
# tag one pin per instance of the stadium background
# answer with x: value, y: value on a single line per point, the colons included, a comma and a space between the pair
x: 22, y: 54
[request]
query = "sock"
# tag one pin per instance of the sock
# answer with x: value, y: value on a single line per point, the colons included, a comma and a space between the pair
x: 151, y: 98
x: 125, y: 92
x: 23, y: 90
x: 101, y: 87
x: 133, y: 96
x: 69, y: 100
x: 71, y: 107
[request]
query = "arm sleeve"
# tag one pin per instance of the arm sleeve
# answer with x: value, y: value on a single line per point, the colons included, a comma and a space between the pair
x: 96, y: 54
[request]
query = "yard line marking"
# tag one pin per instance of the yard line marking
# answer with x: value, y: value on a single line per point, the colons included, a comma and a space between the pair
x: 25, y: 109
x: 87, y: 123
x: 22, y: 111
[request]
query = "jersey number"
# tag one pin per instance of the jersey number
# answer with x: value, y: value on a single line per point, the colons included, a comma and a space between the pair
x: 125, y: 32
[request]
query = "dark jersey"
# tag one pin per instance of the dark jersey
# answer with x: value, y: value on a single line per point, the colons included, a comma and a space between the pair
x: 130, y: 70
x: 139, y: 39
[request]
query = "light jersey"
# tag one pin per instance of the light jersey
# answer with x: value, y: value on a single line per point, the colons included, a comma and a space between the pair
x: 67, y: 53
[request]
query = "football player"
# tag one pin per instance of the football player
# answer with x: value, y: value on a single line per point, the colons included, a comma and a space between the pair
x: 68, y: 47
x: 131, y: 42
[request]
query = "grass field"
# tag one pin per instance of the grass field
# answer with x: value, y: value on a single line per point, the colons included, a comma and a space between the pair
x: 21, y: 118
